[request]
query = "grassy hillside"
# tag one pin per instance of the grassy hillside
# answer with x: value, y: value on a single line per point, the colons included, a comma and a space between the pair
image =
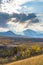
x: 37, y: 60
x: 14, y: 49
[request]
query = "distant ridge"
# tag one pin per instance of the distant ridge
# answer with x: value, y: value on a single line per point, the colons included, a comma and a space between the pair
x: 8, y: 33
x: 32, y: 34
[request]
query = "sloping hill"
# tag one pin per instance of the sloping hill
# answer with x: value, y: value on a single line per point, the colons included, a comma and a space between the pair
x: 32, y: 34
x: 37, y: 60
x: 7, y: 34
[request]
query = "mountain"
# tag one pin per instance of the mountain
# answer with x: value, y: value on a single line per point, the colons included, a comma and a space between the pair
x: 32, y: 34
x: 9, y: 33
x: 27, y: 34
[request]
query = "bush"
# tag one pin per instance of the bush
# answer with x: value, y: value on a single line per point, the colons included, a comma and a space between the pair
x: 23, y: 55
x: 2, y: 61
x: 35, y: 49
x: 14, y: 58
x: 27, y: 52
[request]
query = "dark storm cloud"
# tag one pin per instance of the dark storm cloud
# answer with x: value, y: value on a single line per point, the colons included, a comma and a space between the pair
x: 3, y: 19
x: 22, y: 18
x: 34, y: 21
x: 0, y: 1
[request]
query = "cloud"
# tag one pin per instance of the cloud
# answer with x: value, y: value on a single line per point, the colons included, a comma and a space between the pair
x: 40, y: 17
x: 20, y: 2
x: 9, y: 8
x: 12, y: 6
x: 3, y: 19
x: 18, y: 16
x: 26, y: 10
x: 16, y: 27
x: 18, y: 23
x: 21, y: 6
x: 3, y: 29
x: 32, y: 23
x: 23, y: 17
x: 36, y: 27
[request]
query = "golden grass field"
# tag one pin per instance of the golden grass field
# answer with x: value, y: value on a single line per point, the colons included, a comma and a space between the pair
x: 37, y: 60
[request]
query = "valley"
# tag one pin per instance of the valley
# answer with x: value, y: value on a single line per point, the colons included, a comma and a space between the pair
x: 14, y: 49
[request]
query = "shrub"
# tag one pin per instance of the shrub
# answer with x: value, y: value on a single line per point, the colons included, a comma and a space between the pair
x: 14, y: 58
x: 23, y: 55
x: 35, y: 49
x: 27, y: 52
x: 2, y: 61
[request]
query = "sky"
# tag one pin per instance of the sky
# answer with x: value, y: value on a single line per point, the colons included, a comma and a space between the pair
x: 18, y: 6
x: 21, y: 15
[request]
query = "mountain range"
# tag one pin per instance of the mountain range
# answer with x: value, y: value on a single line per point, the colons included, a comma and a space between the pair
x: 8, y: 33
x: 27, y: 33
